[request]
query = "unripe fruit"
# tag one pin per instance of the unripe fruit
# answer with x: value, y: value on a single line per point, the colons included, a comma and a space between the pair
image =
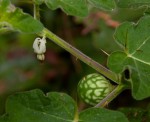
x: 93, y: 88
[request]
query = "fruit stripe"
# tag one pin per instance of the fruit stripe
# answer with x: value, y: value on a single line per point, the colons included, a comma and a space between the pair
x: 93, y: 88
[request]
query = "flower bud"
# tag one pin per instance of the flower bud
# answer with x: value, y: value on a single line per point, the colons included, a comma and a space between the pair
x: 39, y: 47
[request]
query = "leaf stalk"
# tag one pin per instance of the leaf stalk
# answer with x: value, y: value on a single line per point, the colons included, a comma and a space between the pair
x: 117, y: 90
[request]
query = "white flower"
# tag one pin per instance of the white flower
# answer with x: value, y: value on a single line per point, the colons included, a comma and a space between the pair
x: 39, y: 47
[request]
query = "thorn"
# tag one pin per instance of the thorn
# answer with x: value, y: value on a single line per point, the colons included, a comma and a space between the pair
x: 105, y: 52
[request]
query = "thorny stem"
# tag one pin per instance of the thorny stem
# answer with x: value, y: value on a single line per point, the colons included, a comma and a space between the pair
x: 111, y: 96
x: 79, y: 55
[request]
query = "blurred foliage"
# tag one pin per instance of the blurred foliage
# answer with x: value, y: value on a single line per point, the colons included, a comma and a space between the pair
x: 136, y: 114
x: 93, y: 35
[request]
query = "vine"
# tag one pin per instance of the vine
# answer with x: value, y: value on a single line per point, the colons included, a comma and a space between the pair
x: 97, y: 89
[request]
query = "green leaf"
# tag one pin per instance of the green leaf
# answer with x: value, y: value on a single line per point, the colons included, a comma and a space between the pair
x: 79, y: 7
x: 101, y: 115
x: 103, y: 4
x: 34, y: 106
x: 132, y: 3
x: 12, y: 18
x: 71, y: 7
x: 135, y: 40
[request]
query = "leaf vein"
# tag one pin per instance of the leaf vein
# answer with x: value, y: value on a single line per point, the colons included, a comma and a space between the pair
x: 148, y: 63
x: 141, y: 45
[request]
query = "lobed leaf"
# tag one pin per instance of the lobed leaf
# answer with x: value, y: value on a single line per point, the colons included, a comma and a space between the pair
x: 79, y: 7
x: 132, y: 3
x: 12, y: 18
x: 71, y: 7
x: 135, y: 40
x: 103, y: 4
x: 34, y: 106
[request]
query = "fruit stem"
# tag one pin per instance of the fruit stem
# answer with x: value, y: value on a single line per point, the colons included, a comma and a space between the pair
x: 79, y: 55
x: 117, y: 90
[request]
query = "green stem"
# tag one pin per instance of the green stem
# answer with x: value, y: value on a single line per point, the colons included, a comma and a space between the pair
x: 36, y: 12
x: 79, y: 55
x: 111, y: 96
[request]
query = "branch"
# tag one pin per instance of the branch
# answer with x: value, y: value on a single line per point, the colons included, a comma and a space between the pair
x: 79, y: 55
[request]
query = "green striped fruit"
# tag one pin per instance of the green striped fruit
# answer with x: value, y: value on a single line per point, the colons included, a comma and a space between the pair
x: 93, y: 88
